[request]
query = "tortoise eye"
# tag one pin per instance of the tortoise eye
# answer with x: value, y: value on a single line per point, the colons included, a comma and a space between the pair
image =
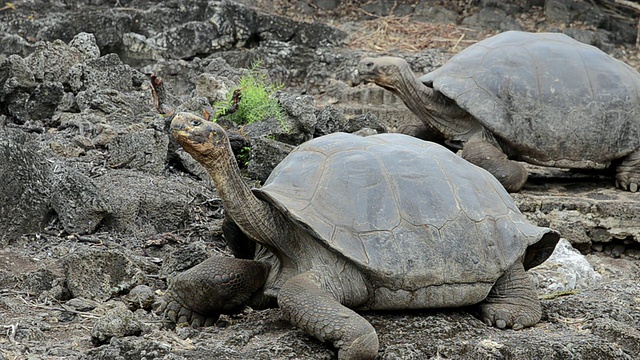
x: 195, y: 122
x: 369, y: 65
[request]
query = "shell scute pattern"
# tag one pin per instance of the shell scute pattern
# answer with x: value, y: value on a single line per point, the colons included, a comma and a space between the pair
x: 408, y: 212
x: 548, y: 96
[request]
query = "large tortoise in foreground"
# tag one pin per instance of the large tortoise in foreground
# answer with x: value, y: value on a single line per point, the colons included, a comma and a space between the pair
x: 543, y: 98
x: 347, y: 222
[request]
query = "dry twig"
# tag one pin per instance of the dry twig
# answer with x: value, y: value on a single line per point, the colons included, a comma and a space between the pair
x: 64, y: 309
x: 11, y: 332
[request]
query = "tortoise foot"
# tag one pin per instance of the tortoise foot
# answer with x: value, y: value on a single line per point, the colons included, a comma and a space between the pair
x: 364, y: 347
x: 180, y: 314
x: 508, y: 316
x: 512, y: 302
x: 628, y: 172
x: 629, y: 184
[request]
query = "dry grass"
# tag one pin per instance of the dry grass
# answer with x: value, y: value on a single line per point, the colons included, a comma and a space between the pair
x: 389, y: 33
x: 385, y: 33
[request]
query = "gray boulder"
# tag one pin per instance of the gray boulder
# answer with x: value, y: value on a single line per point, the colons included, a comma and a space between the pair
x: 115, y: 323
x: 144, y: 150
x: 25, y: 184
x: 100, y: 274
x: 566, y: 269
x: 77, y: 201
x: 266, y: 153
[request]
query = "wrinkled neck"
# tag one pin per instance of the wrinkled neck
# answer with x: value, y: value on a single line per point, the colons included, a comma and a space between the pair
x: 439, y: 113
x: 255, y: 217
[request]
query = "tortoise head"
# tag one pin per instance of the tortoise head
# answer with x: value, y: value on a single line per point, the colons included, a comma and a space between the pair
x: 384, y: 71
x: 204, y: 140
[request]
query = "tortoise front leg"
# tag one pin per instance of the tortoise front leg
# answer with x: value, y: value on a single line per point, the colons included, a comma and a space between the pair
x: 511, y: 174
x: 512, y: 302
x: 628, y: 172
x: 306, y: 305
x: 218, y: 285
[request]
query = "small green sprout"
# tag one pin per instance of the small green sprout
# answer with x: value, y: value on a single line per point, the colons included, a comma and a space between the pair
x: 244, y: 155
x: 252, y: 100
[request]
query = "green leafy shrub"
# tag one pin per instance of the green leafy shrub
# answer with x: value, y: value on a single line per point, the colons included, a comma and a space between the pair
x: 256, y: 101
x: 244, y: 156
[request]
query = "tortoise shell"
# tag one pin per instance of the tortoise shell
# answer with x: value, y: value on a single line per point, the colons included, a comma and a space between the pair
x: 407, y: 212
x: 552, y: 99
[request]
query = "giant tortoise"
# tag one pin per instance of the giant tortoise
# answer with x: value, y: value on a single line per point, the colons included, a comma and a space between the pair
x: 543, y: 98
x: 347, y: 222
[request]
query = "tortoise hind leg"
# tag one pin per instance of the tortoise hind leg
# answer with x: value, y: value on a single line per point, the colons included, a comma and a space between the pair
x: 511, y: 174
x: 512, y: 302
x: 306, y: 305
x: 628, y: 172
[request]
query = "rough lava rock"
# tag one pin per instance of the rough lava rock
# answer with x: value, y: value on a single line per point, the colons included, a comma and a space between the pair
x: 25, y: 184
x: 146, y: 31
x: 59, y: 164
x: 117, y: 322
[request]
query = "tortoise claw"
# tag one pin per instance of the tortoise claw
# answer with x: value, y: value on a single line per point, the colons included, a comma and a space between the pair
x: 631, y: 185
x: 210, y: 321
x: 184, y: 316
x: 179, y: 314
x: 628, y: 173
x: 197, y: 322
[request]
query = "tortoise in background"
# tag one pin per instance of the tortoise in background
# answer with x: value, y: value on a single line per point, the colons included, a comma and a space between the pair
x: 542, y: 98
x: 347, y: 222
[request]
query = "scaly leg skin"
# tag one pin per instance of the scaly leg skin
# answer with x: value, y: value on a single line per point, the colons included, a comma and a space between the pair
x: 628, y: 172
x: 511, y: 174
x: 218, y: 285
x: 306, y: 305
x: 512, y: 302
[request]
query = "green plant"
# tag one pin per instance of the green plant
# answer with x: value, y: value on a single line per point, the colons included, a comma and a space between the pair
x: 252, y: 100
x: 8, y: 6
x: 244, y: 155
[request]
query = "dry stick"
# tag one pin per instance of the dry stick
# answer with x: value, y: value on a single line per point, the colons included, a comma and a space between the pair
x: 11, y: 332
x: 629, y: 4
x: 8, y: 6
x: 14, y: 292
x: 556, y: 294
x: 81, y: 313
x: 458, y: 42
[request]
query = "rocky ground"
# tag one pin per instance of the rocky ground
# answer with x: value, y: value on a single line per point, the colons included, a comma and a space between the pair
x: 99, y: 207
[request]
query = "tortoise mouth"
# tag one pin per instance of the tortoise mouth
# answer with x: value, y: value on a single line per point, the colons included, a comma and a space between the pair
x: 189, y: 128
x: 369, y: 78
x: 179, y: 134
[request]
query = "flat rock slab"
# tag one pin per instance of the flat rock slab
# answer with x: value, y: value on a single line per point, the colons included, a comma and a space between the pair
x: 586, y: 208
